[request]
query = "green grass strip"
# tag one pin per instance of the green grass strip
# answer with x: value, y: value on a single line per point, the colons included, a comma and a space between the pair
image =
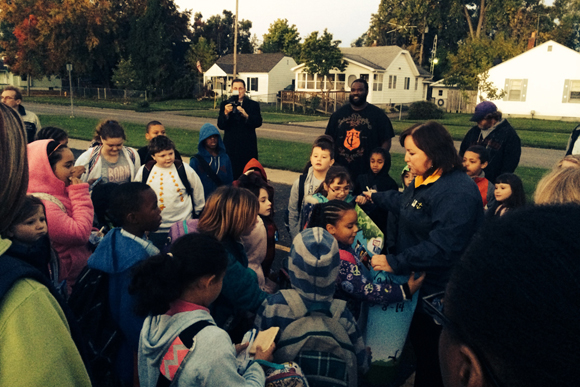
x: 276, y: 154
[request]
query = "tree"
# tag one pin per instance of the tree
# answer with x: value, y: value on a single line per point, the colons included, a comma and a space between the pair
x: 282, y: 38
x: 203, y: 52
x: 125, y: 76
x: 321, y: 55
x: 156, y: 45
x: 220, y: 30
x: 468, y: 67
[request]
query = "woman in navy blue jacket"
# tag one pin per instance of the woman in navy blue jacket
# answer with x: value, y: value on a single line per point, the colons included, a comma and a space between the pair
x: 438, y: 214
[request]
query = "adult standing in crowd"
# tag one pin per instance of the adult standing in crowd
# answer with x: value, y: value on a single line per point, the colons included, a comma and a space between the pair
x: 12, y: 97
x: 110, y: 161
x: 239, y: 117
x: 35, y: 325
x: 497, y: 136
x: 357, y: 128
x: 438, y: 212
x: 573, y: 147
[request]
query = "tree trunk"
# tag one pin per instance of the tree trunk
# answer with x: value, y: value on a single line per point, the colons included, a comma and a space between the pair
x: 468, y: 18
x: 481, y: 18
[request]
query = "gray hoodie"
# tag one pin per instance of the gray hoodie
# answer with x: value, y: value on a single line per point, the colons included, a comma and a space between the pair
x: 211, y: 363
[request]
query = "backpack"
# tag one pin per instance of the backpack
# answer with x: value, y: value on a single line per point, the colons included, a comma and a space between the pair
x: 180, y: 172
x: 301, y: 181
x: 318, y: 343
x: 89, y: 302
x: 288, y: 374
x: 179, y: 229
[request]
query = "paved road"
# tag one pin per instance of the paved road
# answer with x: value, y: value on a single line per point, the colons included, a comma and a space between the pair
x: 304, y: 132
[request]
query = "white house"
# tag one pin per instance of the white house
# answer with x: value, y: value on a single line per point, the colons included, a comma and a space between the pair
x: 543, y: 82
x: 392, y: 75
x: 264, y: 74
x: 46, y: 83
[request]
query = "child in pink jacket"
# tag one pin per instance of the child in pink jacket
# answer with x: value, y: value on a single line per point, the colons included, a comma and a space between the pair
x: 69, y: 210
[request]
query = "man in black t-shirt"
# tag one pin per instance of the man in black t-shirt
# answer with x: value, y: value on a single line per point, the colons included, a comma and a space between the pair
x: 358, y: 128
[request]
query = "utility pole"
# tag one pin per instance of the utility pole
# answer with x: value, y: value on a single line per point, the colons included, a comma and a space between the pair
x: 69, y: 68
x: 236, y: 43
x: 433, y: 59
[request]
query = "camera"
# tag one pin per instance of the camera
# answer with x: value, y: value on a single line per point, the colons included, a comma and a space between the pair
x: 235, y: 103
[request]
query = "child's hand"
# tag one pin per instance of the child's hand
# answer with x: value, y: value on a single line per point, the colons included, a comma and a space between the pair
x: 241, y: 347
x: 267, y: 355
x: 360, y: 199
x: 379, y: 263
x: 415, y: 283
x: 78, y: 171
x: 75, y: 180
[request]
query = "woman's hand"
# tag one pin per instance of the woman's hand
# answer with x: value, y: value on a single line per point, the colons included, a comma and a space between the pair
x: 368, y: 194
x: 360, y: 199
x: 267, y: 354
x: 415, y: 283
x: 379, y: 263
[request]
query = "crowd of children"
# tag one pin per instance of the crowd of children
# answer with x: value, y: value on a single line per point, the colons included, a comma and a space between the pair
x: 113, y: 210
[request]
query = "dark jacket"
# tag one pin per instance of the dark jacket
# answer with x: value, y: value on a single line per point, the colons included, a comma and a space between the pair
x: 504, y: 147
x: 573, y: 137
x: 240, y: 134
x: 220, y: 164
x: 436, y: 223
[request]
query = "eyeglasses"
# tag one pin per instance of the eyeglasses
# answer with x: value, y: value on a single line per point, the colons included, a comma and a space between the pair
x: 434, y: 306
x: 2, y: 98
x: 344, y: 190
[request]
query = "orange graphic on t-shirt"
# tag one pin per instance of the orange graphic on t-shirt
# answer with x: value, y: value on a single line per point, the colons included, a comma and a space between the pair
x: 352, y: 139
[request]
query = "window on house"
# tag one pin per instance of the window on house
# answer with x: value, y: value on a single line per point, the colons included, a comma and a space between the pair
x: 416, y: 82
x: 378, y: 82
x: 301, y: 80
x: 329, y: 84
x: 319, y: 82
x: 351, y: 79
x: 515, y: 89
x: 252, y: 84
x: 340, y: 81
x: 440, y: 93
x: 392, y: 81
x: 407, y: 83
x: 575, y: 91
x: 571, y: 91
x: 365, y: 77
x: 310, y: 81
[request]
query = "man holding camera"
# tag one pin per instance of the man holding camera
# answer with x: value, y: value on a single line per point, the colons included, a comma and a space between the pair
x: 238, y: 118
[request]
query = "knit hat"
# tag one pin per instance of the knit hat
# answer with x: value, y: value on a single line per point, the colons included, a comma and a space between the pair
x: 483, y: 109
x: 314, y: 263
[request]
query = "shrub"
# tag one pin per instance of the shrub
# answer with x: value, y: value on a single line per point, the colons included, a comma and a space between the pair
x: 424, y: 110
x: 143, y: 106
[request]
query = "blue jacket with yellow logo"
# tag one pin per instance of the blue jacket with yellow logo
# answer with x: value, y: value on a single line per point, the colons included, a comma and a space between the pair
x: 436, y: 222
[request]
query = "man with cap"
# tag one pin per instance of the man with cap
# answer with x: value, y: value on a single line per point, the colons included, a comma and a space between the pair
x: 497, y: 136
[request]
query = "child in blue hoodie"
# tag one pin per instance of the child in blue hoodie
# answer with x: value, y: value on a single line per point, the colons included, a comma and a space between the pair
x: 134, y: 208
x: 211, y: 163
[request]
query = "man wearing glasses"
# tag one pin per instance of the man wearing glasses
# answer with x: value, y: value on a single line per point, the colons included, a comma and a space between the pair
x: 11, y: 96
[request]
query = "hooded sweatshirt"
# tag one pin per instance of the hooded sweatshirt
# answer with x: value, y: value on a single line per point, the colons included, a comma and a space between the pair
x: 211, y: 363
x: 117, y: 253
x: 70, y: 231
x: 313, y: 267
x: 220, y: 164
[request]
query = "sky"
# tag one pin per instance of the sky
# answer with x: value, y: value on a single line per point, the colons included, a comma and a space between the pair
x: 346, y: 20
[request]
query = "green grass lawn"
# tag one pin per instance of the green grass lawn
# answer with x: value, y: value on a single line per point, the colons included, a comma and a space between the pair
x: 273, y: 153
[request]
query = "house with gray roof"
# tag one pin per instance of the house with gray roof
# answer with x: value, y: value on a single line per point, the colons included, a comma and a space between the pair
x: 264, y: 74
x: 392, y: 75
